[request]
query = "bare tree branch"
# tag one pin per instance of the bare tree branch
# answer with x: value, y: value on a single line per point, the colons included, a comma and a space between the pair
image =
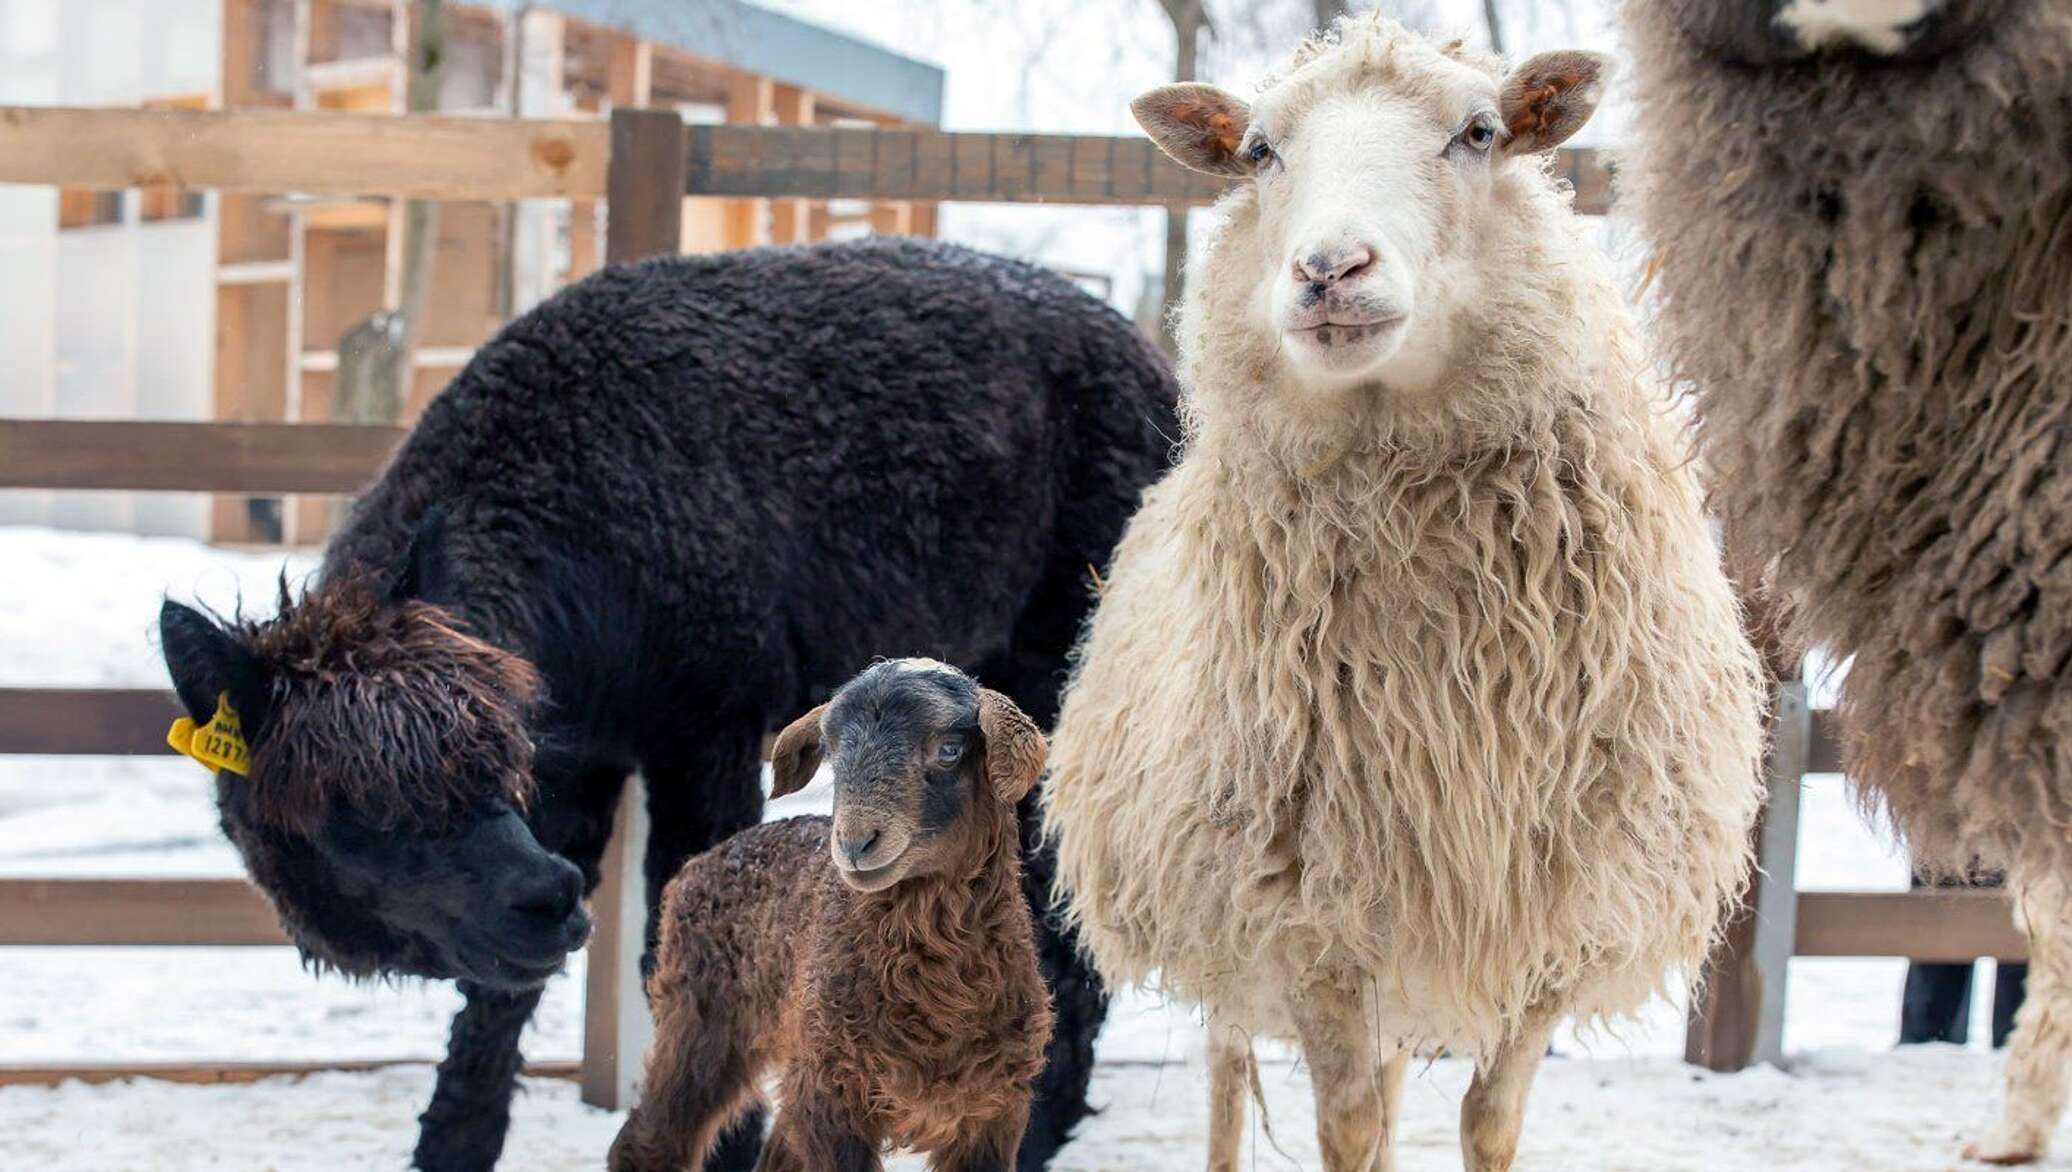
x: 1496, y: 25
x: 375, y: 354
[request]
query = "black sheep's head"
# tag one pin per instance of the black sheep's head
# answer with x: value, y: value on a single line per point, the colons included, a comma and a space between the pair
x: 927, y: 764
x: 389, y: 770
x: 1768, y: 33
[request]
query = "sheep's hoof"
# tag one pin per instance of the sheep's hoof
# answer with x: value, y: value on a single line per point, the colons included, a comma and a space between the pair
x: 2005, y: 1145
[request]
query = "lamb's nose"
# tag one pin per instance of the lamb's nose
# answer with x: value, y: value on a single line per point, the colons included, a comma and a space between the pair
x: 856, y: 846
x: 1328, y: 266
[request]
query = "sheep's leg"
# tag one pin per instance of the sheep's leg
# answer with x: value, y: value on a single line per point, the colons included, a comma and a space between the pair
x: 695, y: 1082
x: 2041, y: 1047
x: 1494, y: 1108
x: 1338, y: 1044
x: 463, y: 1128
x: 1392, y: 1072
x: 697, y: 797
x: 815, y: 1133
x: 1230, y: 1077
x: 987, y: 1147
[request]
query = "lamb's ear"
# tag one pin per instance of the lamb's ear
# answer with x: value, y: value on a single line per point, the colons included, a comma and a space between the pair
x: 206, y: 661
x: 1549, y: 97
x: 1199, y: 125
x: 1015, y: 748
x: 796, y: 755
x: 423, y: 572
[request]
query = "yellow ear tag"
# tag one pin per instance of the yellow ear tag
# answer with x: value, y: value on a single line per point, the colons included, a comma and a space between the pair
x: 219, y: 744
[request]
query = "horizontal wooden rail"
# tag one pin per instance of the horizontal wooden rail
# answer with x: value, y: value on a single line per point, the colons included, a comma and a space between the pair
x: 870, y: 163
x: 425, y: 155
x: 203, y: 912
x: 114, y: 722
x: 865, y: 163
x: 194, y: 457
x: 221, y: 1073
x: 444, y: 157
x: 1928, y: 924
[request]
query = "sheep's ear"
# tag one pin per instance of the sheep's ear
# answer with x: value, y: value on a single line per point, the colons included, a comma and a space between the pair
x: 1015, y: 748
x: 206, y: 661
x: 1199, y: 125
x: 1549, y: 97
x: 796, y: 755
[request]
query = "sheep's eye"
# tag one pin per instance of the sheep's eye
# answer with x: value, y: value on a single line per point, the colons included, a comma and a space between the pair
x: 1259, y: 154
x: 950, y: 751
x: 1479, y: 135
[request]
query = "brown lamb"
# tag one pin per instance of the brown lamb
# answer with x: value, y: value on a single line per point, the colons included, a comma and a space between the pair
x: 879, y: 964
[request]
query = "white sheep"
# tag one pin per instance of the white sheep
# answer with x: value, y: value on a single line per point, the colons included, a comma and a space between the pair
x: 1417, y: 710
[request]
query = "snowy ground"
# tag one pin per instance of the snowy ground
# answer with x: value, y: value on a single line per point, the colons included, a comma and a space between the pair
x: 78, y: 610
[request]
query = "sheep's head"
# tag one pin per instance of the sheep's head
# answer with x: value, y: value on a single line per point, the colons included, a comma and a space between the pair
x: 1375, y: 166
x: 925, y: 761
x: 1782, y: 32
x: 382, y: 804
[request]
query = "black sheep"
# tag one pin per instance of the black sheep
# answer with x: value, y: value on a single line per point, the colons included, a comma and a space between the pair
x: 656, y: 516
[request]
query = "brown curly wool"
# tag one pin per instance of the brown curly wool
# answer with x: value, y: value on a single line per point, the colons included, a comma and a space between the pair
x: 395, y: 710
x: 1866, y: 272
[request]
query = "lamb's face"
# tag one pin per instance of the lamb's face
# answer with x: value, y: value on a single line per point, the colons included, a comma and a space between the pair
x: 1373, y: 164
x: 923, y: 759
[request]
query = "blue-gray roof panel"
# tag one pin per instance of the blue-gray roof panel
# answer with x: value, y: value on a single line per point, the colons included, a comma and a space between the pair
x: 774, y: 45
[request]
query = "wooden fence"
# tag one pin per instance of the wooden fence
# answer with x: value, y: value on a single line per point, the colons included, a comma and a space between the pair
x: 644, y: 162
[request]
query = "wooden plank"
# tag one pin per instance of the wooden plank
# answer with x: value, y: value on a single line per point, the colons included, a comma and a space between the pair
x: 424, y: 155
x: 749, y: 161
x: 646, y: 184
x: 616, y: 1025
x: 1737, y: 1018
x: 214, y: 913
x: 232, y: 1073
x: 87, y: 721
x: 1720, y: 1030
x: 1936, y: 924
x: 192, y: 457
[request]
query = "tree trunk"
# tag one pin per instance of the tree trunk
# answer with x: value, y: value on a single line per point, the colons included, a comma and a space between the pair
x: 1496, y: 26
x: 1189, y: 19
x: 375, y: 356
x: 1327, y: 11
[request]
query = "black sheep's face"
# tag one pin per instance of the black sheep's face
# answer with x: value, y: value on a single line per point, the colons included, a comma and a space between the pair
x: 388, y: 773
x: 924, y: 760
x: 1772, y: 33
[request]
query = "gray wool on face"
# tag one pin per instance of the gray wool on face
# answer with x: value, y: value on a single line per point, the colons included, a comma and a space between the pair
x: 1865, y: 270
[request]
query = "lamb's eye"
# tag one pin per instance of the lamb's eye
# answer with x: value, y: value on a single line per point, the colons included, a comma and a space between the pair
x: 950, y: 751
x: 1480, y: 134
x: 1259, y: 154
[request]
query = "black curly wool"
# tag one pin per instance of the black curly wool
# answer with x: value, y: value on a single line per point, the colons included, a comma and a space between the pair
x: 697, y: 493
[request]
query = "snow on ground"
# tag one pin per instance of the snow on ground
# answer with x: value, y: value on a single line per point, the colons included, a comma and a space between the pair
x: 79, y: 610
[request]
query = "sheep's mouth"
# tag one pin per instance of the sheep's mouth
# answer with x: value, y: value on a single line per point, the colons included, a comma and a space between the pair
x: 878, y: 878
x: 1347, y: 333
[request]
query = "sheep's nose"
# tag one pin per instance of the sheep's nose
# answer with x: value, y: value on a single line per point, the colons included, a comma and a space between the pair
x: 856, y: 846
x: 1328, y: 266
x: 551, y: 893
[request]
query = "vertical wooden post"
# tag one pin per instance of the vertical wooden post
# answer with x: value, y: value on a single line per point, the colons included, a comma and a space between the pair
x: 750, y: 100
x: 644, y: 187
x: 1737, y: 1018
x: 790, y: 219
x: 616, y: 1025
x: 645, y: 192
